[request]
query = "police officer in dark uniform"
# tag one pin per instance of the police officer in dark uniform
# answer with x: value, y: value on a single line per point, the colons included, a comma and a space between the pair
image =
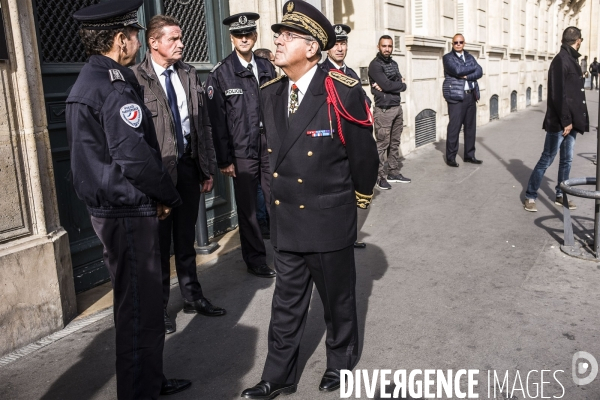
x: 118, y: 173
x: 322, y: 169
x: 232, y: 88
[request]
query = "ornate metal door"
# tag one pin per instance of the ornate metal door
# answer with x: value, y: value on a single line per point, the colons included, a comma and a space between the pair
x: 62, y: 57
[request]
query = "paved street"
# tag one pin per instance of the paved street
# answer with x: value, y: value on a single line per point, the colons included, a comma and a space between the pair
x: 456, y: 275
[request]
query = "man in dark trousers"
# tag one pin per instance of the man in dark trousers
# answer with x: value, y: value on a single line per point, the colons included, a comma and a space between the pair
x: 240, y: 144
x: 335, y: 60
x: 594, y: 69
x: 320, y: 174
x: 566, y: 115
x: 461, y: 92
x: 386, y: 85
x: 176, y: 99
x: 118, y: 173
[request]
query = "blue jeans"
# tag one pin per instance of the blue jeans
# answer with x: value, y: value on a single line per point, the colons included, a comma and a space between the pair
x: 554, y: 141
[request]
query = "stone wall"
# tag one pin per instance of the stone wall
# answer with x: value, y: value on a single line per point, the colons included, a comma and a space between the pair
x: 513, y: 40
x: 37, y: 296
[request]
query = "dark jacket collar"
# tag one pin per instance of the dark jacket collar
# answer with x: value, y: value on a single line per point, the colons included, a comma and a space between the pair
x: 383, y: 58
x: 109, y: 63
x: 574, y: 53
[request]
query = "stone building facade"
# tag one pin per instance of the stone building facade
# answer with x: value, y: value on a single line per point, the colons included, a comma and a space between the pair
x: 513, y: 40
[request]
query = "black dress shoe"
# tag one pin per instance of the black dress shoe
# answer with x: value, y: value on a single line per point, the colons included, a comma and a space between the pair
x: 169, y: 327
x: 202, y: 306
x: 330, y: 380
x: 262, y: 271
x: 172, y: 386
x: 473, y: 160
x: 452, y: 163
x: 266, y: 390
x: 360, y: 245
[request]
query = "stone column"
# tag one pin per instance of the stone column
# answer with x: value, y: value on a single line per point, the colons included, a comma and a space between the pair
x: 37, y: 296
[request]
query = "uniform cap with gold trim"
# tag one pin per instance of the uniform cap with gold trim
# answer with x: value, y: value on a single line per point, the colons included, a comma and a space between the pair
x: 302, y: 16
x: 113, y: 14
x: 241, y: 23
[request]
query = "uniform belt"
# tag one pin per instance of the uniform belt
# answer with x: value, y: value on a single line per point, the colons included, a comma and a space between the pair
x: 468, y: 91
x: 262, y: 130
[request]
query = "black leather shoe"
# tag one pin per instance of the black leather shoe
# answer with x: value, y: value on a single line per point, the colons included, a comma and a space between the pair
x: 473, y: 160
x: 202, y: 306
x: 266, y: 390
x: 262, y: 271
x: 452, y: 163
x: 360, y: 245
x: 169, y: 327
x: 172, y: 386
x: 330, y: 380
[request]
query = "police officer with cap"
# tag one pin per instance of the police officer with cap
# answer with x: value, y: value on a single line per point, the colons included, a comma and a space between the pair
x: 118, y: 173
x: 323, y: 161
x: 232, y: 88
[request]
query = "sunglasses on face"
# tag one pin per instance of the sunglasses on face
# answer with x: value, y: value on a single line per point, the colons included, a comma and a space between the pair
x: 458, y: 42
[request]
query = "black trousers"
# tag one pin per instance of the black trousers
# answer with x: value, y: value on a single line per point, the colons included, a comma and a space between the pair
x: 131, y: 254
x: 463, y: 113
x: 182, y: 224
x: 334, y: 274
x: 249, y: 174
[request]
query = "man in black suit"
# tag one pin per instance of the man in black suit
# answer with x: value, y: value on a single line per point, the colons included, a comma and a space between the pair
x: 232, y: 88
x: 335, y: 60
x: 461, y: 92
x: 320, y: 174
x: 566, y: 115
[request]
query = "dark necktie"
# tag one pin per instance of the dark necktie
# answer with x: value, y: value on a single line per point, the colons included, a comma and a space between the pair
x: 172, y: 98
x: 251, y: 71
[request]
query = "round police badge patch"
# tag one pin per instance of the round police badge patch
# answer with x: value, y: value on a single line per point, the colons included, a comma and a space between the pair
x: 132, y: 114
x: 210, y: 91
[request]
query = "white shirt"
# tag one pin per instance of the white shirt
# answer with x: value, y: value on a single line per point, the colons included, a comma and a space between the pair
x: 181, y: 97
x: 303, y: 83
x: 245, y: 65
x: 459, y: 55
x: 341, y: 68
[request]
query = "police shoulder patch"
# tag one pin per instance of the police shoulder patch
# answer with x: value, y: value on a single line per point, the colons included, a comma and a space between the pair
x: 273, y: 81
x: 216, y: 66
x: 115, y: 75
x: 345, y: 79
x: 132, y: 114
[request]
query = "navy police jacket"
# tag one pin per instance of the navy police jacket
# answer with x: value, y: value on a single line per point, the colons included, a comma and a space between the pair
x: 234, y: 108
x: 317, y: 182
x: 115, y: 157
x: 454, y: 70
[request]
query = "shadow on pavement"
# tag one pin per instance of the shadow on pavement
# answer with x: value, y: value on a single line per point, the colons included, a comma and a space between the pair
x: 214, y: 353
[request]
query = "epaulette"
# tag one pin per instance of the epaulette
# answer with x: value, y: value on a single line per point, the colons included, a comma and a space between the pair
x: 345, y: 79
x: 115, y: 75
x: 273, y: 81
x: 216, y: 66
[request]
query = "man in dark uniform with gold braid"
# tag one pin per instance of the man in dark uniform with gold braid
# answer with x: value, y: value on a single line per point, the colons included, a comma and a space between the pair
x: 324, y: 162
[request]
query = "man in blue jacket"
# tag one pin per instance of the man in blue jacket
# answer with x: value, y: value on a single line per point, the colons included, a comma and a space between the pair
x: 461, y: 92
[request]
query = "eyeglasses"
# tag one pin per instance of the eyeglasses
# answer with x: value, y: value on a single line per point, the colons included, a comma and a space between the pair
x: 289, y: 36
x: 458, y: 42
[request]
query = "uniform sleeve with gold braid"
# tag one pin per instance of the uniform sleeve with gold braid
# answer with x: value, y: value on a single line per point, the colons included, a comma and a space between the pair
x: 363, y: 200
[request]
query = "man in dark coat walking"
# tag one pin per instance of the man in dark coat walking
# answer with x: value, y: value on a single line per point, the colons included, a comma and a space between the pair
x: 566, y: 115
x: 461, y: 92
x: 322, y: 168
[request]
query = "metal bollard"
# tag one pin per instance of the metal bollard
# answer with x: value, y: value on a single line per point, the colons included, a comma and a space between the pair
x: 203, y: 245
